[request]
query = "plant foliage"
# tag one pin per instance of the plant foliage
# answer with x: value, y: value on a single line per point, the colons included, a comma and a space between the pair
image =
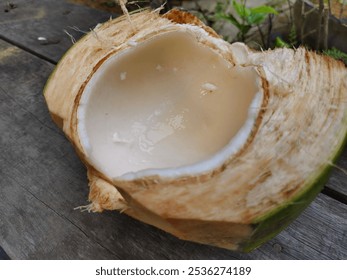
x: 243, y: 18
x: 337, y: 54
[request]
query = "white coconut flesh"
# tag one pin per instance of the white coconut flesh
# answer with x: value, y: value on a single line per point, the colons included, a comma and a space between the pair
x: 144, y: 113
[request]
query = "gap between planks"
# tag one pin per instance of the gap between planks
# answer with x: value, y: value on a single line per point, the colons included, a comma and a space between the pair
x: 28, y: 50
x: 335, y: 195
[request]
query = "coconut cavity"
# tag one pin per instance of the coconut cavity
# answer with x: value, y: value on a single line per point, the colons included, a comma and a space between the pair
x: 164, y: 103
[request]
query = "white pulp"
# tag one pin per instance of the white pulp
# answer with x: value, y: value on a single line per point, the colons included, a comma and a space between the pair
x: 165, y: 103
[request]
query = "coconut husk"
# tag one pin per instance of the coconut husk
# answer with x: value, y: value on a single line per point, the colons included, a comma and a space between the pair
x: 283, y: 165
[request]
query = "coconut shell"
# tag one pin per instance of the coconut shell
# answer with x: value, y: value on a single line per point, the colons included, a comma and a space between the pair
x: 299, y: 132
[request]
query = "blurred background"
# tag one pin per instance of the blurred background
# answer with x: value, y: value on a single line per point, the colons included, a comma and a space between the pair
x: 318, y: 24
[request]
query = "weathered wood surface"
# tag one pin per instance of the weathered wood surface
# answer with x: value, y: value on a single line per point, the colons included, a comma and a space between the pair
x: 32, y: 19
x: 42, y: 180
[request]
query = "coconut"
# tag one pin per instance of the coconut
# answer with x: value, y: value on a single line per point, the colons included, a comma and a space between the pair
x: 212, y: 142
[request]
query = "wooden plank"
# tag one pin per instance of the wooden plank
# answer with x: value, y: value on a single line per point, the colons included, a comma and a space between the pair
x: 338, y: 179
x: 31, y: 229
x: 42, y: 180
x: 48, y: 19
x: 3, y: 255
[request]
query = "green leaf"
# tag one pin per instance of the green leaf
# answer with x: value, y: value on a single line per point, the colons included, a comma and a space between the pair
x: 279, y: 43
x: 238, y: 8
x: 292, y: 37
x: 219, y: 8
x: 336, y: 54
x: 228, y: 17
x: 234, y: 21
x: 263, y: 10
x: 220, y: 11
x: 241, y: 10
x: 245, y: 28
x: 256, y: 19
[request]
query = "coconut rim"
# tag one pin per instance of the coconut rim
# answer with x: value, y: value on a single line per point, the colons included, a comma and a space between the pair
x: 236, y: 144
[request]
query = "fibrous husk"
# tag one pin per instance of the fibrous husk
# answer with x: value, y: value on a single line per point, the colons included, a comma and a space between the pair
x: 299, y: 132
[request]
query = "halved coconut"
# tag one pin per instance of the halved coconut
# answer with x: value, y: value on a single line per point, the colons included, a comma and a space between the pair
x: 209, y: 141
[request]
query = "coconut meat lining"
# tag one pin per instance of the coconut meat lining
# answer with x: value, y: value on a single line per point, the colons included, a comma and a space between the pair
x: 169, y: 105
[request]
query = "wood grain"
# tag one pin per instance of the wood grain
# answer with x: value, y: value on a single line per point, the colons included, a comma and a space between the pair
x: 42, y: 181
x: 32, y: 19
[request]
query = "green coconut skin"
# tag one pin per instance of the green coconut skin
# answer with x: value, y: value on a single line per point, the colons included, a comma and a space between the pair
x: 272, y: 223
